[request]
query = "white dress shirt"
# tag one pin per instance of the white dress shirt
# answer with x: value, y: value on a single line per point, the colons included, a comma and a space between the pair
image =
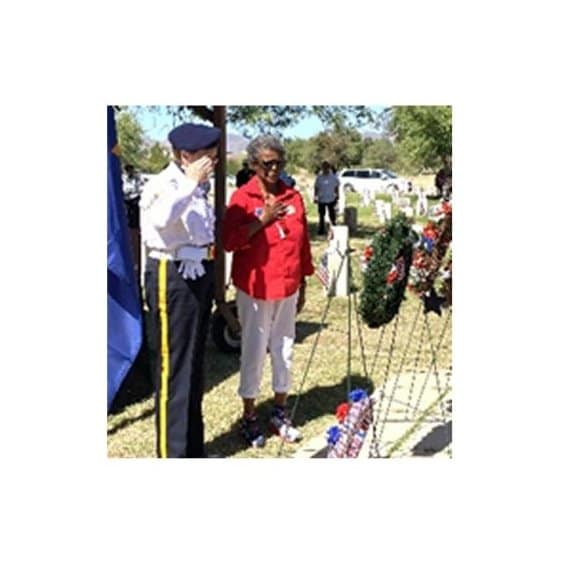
x: 175, y: 212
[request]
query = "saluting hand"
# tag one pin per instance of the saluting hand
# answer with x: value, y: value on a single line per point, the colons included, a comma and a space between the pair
x: 200, y: 169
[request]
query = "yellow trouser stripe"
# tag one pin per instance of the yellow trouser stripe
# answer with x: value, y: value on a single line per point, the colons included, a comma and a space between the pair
x: 164, y: 355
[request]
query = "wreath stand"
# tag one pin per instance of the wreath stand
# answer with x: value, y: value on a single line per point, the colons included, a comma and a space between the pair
x: 384, y: 424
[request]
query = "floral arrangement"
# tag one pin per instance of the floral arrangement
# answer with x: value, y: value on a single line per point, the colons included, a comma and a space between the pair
x: 354, y: 418
x: 386, y: 263
x: 428, y: 258
x: 446, y: 281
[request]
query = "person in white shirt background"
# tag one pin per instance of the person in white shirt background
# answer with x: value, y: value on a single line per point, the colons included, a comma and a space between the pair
x: 177, y: 225
x: 326, y: 196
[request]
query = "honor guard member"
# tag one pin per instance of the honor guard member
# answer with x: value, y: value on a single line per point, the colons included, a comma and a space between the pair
x: 178, y: 231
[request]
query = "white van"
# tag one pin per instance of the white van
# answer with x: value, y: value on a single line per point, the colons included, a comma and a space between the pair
x: 358, y: 179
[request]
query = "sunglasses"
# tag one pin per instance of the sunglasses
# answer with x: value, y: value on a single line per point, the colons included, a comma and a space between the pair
x: 267, y: 165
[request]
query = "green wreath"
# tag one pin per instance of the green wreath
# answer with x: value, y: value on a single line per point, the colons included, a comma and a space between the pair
x: 387, y: 271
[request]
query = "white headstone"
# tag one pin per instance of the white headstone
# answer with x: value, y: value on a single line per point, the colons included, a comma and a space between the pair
x: 341, y: 206
x: 338, y: 250
x: 365, y: 197
x: 380, y: 212
x: 388, y: 210
x: 422, y: 203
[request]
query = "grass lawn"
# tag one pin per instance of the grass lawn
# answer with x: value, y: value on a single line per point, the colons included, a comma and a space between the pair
x: 405, y: 345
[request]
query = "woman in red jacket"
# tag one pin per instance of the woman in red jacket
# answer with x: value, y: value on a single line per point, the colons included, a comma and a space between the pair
x: 265, y: 227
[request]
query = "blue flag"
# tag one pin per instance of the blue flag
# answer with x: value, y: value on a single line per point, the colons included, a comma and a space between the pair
x: 124, y: 312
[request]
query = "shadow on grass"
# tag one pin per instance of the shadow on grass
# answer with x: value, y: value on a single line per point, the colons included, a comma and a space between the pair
x: 319, y: 401
x: 137, y: 386
x: 219, y: 366
x: 126, y: 422
x: 306, y: 329
x: 316, y: 402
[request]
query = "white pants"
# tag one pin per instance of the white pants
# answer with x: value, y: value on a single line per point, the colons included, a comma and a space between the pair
x: 266, y: 324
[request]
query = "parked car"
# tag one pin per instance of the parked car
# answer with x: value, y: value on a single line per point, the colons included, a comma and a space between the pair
x: 375, y: 180
x: 393, y: 182
x: 360, y: 179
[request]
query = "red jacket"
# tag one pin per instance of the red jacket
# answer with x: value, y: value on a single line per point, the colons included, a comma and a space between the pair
x: 273, y: 262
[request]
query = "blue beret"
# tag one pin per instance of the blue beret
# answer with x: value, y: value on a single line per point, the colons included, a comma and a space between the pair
x: 193, y: 137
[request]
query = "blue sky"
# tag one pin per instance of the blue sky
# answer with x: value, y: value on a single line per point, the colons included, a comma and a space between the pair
x: 157, y: 124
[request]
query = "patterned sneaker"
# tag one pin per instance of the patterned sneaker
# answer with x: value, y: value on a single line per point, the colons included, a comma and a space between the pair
x: 251, y: 431
x: 281, y: 425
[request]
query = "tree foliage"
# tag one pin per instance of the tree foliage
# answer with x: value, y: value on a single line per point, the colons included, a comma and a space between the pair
x: 134, y: 149
x: 252, y: 120
x: 156, y: 159
x: 417, y: 137
x: 379, y: 153
x: 130, y: 139
x: 233, y: 165
x: 423, y: 134
x: 297, y: 153
x: 341, y: 147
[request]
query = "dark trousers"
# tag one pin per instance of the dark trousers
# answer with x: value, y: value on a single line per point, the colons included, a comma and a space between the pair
x: 177, y: 326
x: 322, y: 213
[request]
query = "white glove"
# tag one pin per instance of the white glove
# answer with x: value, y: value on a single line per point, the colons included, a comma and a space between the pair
x: 191, y: 269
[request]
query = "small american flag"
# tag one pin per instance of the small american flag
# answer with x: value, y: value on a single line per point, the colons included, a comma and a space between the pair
x: 322, y: 271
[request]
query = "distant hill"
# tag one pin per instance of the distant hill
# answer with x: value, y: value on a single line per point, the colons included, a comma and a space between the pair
x: 371, y: 135
x: 235, y: 143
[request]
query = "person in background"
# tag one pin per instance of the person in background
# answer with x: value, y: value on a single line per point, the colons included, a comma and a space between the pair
x: 132, y: 188
x: 178, y: 230
x: 326, y: 196
x: 443, y: 179
x: 287, y: 179
x: 266, y: 229
x: 132, y: 185
x: 244, y: 174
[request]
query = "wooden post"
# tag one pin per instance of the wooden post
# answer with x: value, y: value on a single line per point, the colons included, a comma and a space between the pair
x: 220, y: 200
x: 220, y: 207
x: 351, y: 219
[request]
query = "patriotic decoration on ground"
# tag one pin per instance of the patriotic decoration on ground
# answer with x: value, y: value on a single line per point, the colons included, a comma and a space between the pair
x: 354, y: 418
x: 387, y: 264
